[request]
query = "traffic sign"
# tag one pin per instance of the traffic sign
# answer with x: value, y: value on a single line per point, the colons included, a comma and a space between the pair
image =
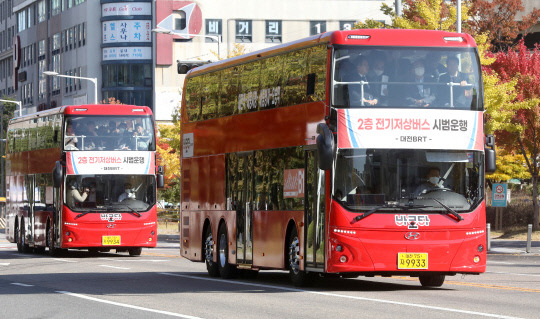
x: 499, y: 195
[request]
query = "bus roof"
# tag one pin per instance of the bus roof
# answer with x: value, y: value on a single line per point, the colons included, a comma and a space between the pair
x: 90, y: 109
x: 371, y: 37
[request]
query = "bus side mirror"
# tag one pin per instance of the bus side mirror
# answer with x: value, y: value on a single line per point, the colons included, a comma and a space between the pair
x: 57, y: 174
x: 160, y: 178
x: 490, y: 155
x: 325, y: 146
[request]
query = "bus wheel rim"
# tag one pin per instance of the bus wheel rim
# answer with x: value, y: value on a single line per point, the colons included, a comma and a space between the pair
x: 294, y: 255
x: 209, y: 248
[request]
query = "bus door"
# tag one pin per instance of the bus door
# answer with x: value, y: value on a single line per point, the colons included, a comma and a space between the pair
x: 314, y: 213
x: 244, y: 220
x: 29, y: 186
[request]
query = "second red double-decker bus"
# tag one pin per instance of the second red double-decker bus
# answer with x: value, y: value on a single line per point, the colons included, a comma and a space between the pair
x: 350, y: 153
x: 82, y: 177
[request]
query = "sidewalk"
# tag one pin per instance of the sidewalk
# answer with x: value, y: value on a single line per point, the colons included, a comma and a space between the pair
x: 503, y: 246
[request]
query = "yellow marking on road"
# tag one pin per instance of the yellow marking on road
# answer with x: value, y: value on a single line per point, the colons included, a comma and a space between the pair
x: 478, y: 285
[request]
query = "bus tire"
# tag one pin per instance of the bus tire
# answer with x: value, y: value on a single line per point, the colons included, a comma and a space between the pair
x: 17, y: 234
x: 297, y: 276
x: 226, y: 270
x: 50, y: 242
x: 24, y: 248
x: 209, y: 245
x: 432, y: 280
x: 135, y: 251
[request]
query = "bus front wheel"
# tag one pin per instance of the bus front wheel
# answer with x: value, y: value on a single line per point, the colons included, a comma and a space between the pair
x: 432, y: 280
x: 22, y: 246
x: 298, y: 277
x: 211, y: 266
x: 226, y: 270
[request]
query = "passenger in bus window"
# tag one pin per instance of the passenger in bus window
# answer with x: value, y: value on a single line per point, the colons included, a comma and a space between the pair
x: 140, y: 138
x: 378, y: 77
x: 461, y: 94
x: 355, y: 90
x: 75, y: 198
x: 420, y: 94
x: 89, y: 133
x: 434, y: 67
x: 70, y: 140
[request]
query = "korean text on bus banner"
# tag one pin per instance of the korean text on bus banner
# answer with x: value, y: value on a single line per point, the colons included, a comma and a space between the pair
x: 410, y: 128
x: 110, y: 163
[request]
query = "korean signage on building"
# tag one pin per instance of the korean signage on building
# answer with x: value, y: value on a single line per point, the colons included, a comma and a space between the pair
x: 127, y: 53
x: 126, y: 9
x: 127, y: 31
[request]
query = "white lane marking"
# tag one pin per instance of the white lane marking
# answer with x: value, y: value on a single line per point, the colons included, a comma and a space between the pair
x: 115, y: 267
x: 21, y: 284
x: 141, y: 260
x: 127, y: 305
x: 65, y: 260
x: 500, y: 263
x: 511, y: 273
x: 4, y: 264
x: 344, y: 296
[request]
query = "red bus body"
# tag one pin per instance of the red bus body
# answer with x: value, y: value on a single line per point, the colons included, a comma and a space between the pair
x: 223, y: 143
x: 37, y: 213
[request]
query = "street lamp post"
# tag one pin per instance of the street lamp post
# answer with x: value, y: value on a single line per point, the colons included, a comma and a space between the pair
x: 93, y: 80
x: 170, y: 32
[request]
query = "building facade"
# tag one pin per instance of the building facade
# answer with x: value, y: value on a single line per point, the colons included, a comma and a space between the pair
x: 112, y: 41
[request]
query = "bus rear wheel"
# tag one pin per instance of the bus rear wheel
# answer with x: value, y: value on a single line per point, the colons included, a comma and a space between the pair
x: 211, y: 266
x: 226, y: 270
x: 298, y: 277
x: 432, y: 280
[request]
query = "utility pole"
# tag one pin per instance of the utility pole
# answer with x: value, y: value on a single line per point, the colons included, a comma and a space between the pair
x: 458, y: 22
x: 398, y: 8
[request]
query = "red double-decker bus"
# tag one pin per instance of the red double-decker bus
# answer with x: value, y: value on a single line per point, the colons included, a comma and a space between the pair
x: 347, y: 153
x: 82, y: 177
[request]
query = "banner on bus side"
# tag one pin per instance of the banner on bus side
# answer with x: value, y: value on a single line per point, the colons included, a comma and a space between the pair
x: 410, y: 129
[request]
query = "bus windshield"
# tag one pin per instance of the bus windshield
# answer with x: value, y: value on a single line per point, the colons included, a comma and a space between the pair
x: 406, y: 77
x: 109, y: 133
x: 426, y: 180
x: 118, y: 193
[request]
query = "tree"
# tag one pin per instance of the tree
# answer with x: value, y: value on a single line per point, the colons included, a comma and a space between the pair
x: 421, y: 14
x: 523, y: 129
x: 500, y: 20
x: 111, y: 100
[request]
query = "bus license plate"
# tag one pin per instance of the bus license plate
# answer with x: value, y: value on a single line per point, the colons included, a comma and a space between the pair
x: 110, y: 240
x: 412, y: 261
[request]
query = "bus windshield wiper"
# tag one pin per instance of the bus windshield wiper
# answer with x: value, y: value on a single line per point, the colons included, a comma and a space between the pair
x: 366, y: 214
x: 450, y: 211
x: 374, y: 210
x: 134, y: 212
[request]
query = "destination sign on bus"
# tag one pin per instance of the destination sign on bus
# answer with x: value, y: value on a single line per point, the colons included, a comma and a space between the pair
x: 418, y: 128
x: 109, y: 162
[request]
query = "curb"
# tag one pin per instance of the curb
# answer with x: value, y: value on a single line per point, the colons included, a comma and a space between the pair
x: 169, y: 238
